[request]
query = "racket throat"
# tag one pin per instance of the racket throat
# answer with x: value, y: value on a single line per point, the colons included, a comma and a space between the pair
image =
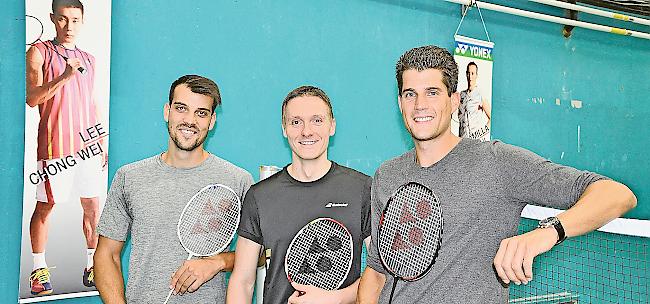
x: 392, y: 290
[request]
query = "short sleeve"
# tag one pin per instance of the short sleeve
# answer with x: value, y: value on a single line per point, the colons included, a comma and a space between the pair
x: 376, y: 209
x: 115, y: 221
x: 366, y: 218
x: 249, y: 222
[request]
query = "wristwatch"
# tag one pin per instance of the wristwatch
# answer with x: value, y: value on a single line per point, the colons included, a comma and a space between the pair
x: 555, y: 223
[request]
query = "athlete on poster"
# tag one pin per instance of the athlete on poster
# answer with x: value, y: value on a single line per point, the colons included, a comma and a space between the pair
x: 474, y: 58
x: 66, y: 145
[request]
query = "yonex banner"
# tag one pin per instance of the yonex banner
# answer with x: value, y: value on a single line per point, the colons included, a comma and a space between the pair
x: 66, y: 145
x: 474, y: 58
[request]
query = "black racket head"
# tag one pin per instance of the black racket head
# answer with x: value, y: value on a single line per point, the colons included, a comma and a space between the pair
x: 209, y: 220
x: 33, y: 30
x: 410, y: 232
x: 320, y: 254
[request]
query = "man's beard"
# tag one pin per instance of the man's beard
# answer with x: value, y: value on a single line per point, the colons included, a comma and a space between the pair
x: 199, y: 141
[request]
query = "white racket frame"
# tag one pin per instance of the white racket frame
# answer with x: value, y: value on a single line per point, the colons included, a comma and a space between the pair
x: 178, y: 227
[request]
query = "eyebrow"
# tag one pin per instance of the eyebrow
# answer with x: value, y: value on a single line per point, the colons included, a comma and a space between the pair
x: 175, y: 102
x: 426, y: 89
x: 407, y: 90
x: 66, y: 17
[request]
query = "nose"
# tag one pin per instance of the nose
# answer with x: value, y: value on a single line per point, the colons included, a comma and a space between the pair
x: 306, y: 130
x: 420, y: 103
x: 188, y: 118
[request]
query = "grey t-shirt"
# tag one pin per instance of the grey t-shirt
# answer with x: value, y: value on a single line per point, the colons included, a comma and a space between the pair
x: 482, y: 189
x: 145, y: 201
x: 276, y: 208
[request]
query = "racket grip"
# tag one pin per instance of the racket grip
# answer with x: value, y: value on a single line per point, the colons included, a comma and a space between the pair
x: 168, y: 296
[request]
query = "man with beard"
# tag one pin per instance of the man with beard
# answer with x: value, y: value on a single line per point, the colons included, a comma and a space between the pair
x: 146, y: 199
x: 482, y: 188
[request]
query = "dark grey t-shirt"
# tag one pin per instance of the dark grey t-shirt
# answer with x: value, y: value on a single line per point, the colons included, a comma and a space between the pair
x: 276, y: 208
x: 145, y: 201
x: 482, y: 188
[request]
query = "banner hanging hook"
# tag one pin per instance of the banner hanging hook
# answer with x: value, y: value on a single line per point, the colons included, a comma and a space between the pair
x: 473, y: 3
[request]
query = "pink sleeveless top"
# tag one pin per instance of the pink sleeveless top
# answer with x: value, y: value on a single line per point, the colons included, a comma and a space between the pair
x: 71, y: 110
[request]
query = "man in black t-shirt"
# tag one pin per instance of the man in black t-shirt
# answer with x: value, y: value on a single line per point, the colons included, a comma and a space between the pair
x: 311, y: 187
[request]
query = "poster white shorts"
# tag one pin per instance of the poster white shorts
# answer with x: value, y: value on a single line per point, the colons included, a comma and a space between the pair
x: 68, y: 177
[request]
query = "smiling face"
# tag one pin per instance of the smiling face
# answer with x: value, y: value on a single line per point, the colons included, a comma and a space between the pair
x: 426, y: 105
x: 67, y: 22
x: 308, y: 126
x: 189, y: 117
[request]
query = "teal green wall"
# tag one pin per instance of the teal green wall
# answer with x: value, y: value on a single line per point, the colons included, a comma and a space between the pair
x: 259, y: 50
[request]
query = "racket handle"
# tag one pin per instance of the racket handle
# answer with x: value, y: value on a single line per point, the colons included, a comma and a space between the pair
x: 81, y: 69
x: 392, y: 291
x: 188, y: 258
x: 168, y: 296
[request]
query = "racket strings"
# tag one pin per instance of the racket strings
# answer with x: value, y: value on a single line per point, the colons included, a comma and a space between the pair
x: 411, y: 231
x: 320, y: 255
x: 209, y: 221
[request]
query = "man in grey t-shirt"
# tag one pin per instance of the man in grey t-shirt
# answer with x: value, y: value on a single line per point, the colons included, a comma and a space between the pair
x: 482, y: 188
x: 145, y: 202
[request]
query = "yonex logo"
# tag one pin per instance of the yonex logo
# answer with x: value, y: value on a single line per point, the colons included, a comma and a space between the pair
x: 415, y: 234
x: 332, y: 205
x: 324, y: 263
x: 462, y: 48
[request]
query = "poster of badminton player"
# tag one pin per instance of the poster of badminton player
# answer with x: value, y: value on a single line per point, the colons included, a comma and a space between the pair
x: 66, y: 145
x: 474, y: 58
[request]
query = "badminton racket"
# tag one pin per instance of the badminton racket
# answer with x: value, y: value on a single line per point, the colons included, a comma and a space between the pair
x: 410, y: 233
x: 208, y: 222
x: 320, y: 254
x: 34, y: 31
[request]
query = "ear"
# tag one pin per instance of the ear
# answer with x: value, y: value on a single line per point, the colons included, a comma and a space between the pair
x: 166, y: 110
x: 333, y: 127
x: 52, y: 18
x: 213, y: 120
x: 284, y: 132
x: 399, y: 104
x: 455, y: 101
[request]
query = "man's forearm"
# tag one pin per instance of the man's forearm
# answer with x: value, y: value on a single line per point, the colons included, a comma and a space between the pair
x: 239, y: 291
x: 601, y: 202
x: 40, y: 94
x: 225, y: 259
x: 108, y: 279
x: 370, y: 286
x: 348, y: 295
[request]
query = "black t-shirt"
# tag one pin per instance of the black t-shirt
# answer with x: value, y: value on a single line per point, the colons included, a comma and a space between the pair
x: 276, y: 208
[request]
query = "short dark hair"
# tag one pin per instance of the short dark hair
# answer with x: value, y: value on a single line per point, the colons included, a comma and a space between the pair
x: 472, y: 63
x: 429, y: 57
x: 307, y: 91
x: 200, y: 85
x: 67, y: 3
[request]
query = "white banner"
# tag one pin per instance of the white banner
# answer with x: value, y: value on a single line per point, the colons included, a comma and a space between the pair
x: 474, y: 58
x: 66, y: 146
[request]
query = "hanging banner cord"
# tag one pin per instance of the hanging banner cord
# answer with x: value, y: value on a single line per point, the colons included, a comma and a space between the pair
x: 473, y: 3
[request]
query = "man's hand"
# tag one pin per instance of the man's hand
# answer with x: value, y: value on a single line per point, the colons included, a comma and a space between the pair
x: 71, y: 68
x: 514, y: 259
x: 305, y: 294
x: 193, y: 273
